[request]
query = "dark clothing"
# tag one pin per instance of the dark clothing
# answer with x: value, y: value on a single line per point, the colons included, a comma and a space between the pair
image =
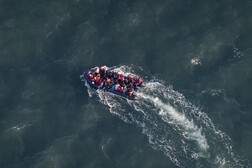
x: 108, y: 79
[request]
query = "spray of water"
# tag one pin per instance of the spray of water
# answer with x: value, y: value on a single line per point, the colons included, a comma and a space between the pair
x: 173, y: 125
x: 170, y: 115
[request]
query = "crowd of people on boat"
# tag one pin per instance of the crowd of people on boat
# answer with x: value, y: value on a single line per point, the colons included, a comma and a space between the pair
x: 110, y: 80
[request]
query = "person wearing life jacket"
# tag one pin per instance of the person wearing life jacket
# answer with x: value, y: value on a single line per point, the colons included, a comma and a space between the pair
x: 119, y: 89
x: 139, y: 82
x: 100, y: 84
x: 108, y: 80
x: 103, y: 70
x: 130, y: 85
x: 97, y: 79
x: 121, y: 78
x: 107, y: 83
x: 91, y: 76
x: 116, y: 76
x: 130, y: 80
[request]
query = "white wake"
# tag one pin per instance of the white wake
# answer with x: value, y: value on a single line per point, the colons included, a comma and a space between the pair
x: 173, y: 125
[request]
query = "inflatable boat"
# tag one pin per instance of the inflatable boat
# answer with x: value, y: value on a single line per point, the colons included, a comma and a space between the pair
x: 107, y: 79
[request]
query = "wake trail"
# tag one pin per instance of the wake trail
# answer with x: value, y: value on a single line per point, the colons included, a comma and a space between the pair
x: 170, y: 115
x: 173, y: 125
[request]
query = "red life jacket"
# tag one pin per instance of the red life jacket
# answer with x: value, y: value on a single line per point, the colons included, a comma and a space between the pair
x: 122, y: 79
x: 119, y: 89
x: 91, y: 76
x: 139, y: 81
x: 96, y: 81
x: 100, y: 82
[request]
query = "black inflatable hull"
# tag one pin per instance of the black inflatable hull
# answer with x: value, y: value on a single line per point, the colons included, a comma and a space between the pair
x: 94, y: 86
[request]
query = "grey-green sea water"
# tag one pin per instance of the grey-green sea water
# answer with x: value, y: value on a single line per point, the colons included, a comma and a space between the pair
x: 194, y: 56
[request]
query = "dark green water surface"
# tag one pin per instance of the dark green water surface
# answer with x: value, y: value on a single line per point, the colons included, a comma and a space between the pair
x: 199, y: 51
